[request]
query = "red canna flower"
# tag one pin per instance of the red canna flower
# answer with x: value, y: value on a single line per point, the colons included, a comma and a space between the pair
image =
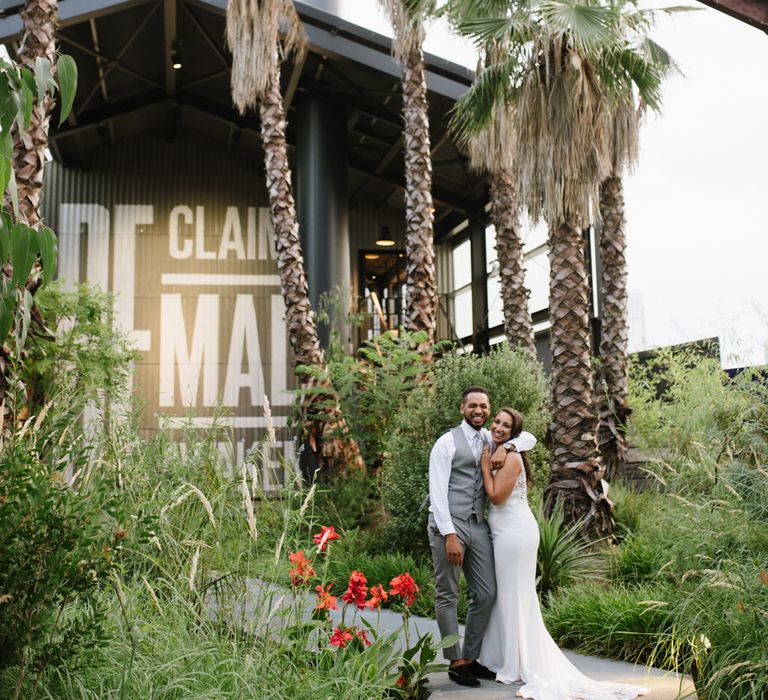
x: 340, y: 637
x: 362, y: 635
x: 378, y: 596
x: 302, y: 569
x: 404, y: 586
x: 327, y: 534
x: 356, y: 590
x: 325, y: 601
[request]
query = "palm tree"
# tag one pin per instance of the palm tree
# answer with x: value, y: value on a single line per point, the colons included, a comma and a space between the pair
x: 493, y: 150
x: 407, y: 17
x: 566, y: 60
x: 40, y: 18
x: 613, y: 367
x: 253, y: 35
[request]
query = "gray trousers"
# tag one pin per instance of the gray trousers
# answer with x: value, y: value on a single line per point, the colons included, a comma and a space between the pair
x: 475, y: 537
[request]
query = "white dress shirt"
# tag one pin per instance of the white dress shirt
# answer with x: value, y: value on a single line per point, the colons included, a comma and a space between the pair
x: 441, y: 460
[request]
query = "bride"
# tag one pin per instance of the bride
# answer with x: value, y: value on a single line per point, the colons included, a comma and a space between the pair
x: 516, y: 644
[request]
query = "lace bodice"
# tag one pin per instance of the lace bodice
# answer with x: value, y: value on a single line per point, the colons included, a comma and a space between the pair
x: 519, y: 495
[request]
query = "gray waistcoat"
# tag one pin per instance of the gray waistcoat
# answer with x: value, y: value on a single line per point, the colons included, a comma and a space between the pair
x: 466, y: 495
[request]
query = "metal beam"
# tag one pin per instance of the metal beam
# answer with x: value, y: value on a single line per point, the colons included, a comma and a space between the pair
x: 216, y: 48
x: 439, y: 195
x: 169, y: 45
x: 71, y: 12
x: 99, y: 62
x: 754, y: 12
x: 293, y: 81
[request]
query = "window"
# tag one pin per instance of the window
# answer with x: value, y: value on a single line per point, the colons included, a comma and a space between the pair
x: 461, y: 259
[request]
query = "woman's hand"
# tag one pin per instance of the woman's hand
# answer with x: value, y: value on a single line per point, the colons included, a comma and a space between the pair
x: 499, y: 457
x: 485, y: 458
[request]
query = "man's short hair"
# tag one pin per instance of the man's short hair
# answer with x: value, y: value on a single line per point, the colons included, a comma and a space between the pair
x: 474, y: 390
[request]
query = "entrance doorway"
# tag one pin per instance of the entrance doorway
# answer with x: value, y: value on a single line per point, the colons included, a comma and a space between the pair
x: 382, y: 285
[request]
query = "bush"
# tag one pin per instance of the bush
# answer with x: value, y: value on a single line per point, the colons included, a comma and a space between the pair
x: 630, y: 623
x: 58, y: 529
x: 89, y: 359
x: 563, y: 556
x: 512, y: 379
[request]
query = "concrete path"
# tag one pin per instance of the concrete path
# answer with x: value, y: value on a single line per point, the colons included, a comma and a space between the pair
x: 262, y: 601
x: 664, y: 685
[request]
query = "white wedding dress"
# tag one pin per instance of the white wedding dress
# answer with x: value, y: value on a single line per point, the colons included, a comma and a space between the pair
x: 517, y: 646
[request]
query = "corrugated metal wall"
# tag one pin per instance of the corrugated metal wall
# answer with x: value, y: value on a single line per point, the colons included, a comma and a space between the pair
x: 180, y: 233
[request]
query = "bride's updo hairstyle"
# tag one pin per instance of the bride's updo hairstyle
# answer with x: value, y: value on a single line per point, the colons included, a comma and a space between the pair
x: 517, y: 427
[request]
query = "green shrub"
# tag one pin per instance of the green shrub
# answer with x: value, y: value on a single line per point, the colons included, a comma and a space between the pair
x: 630, y: 623
x: 350, y: 501
x: 59, y: 529
x: 512, y: 379
x: 89, y: 359
x: 563, y: 556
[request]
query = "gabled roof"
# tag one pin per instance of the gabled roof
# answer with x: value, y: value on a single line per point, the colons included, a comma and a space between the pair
x: 123, y: 49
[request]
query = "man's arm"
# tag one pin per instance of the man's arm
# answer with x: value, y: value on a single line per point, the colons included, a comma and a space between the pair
x: 522, y: 443
x: 439, y: 475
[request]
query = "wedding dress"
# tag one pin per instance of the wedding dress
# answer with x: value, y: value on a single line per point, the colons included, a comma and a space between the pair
x: 516, y: 645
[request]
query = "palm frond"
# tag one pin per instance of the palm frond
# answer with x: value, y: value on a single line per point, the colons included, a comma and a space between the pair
x: 474, y: 109
x: 407, y: 18
x: 587, y: 26
x: 260, y: 34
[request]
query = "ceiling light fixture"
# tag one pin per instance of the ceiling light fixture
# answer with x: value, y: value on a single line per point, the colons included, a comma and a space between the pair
x: 385, y: 240
x: 372, y: 256
x: 176, y: 60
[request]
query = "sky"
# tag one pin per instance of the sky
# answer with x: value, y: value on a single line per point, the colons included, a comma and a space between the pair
x: 697, y: 230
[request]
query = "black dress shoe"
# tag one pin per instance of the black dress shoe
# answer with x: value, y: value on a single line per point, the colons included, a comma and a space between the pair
x: 463, y: 676
x: 480, y: 671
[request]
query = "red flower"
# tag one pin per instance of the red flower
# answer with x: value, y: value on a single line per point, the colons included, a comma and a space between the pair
x: 401, y: 682
x: 327, y: 534
x: 302, y: 570
x: 405, y: 587
x: 325, y: 601
x: 356, y: 590
x: 340, y: 637
x: 362, y: 635
x: 378, y: 596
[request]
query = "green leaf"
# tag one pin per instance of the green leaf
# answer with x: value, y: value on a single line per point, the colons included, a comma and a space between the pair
x: 48, y: 246
x: 66, y: 69
x: 42, y: 76
x: 28, y: 103
x: 23, y: 252
x: 5, y: 172
x: 7, y: 302
x: 23, y: 318
x: 5, y: 238
x: 13, y: 192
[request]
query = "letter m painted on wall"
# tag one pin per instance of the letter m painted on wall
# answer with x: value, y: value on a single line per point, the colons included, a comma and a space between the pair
x: 200, y: 356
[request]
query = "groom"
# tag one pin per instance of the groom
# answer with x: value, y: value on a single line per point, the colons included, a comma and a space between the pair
x: 458, y: 532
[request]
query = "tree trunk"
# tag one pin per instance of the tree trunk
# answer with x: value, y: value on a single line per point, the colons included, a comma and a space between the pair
x: 613, y: 409
x: 329, y: 435
x: 40, y: 17
x: 421, y: 310
x: 576, y: 476
x: 514, y: 295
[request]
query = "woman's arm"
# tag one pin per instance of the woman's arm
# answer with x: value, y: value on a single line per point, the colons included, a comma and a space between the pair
x: 498, y: 486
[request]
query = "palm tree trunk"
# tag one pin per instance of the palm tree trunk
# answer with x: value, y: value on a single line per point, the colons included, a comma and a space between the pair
x: 518, y: 326
x: 40, y: 17
x: 613, y: 409
x: 329, y: 435
x: 576, y: 476
x: 421, y: 310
